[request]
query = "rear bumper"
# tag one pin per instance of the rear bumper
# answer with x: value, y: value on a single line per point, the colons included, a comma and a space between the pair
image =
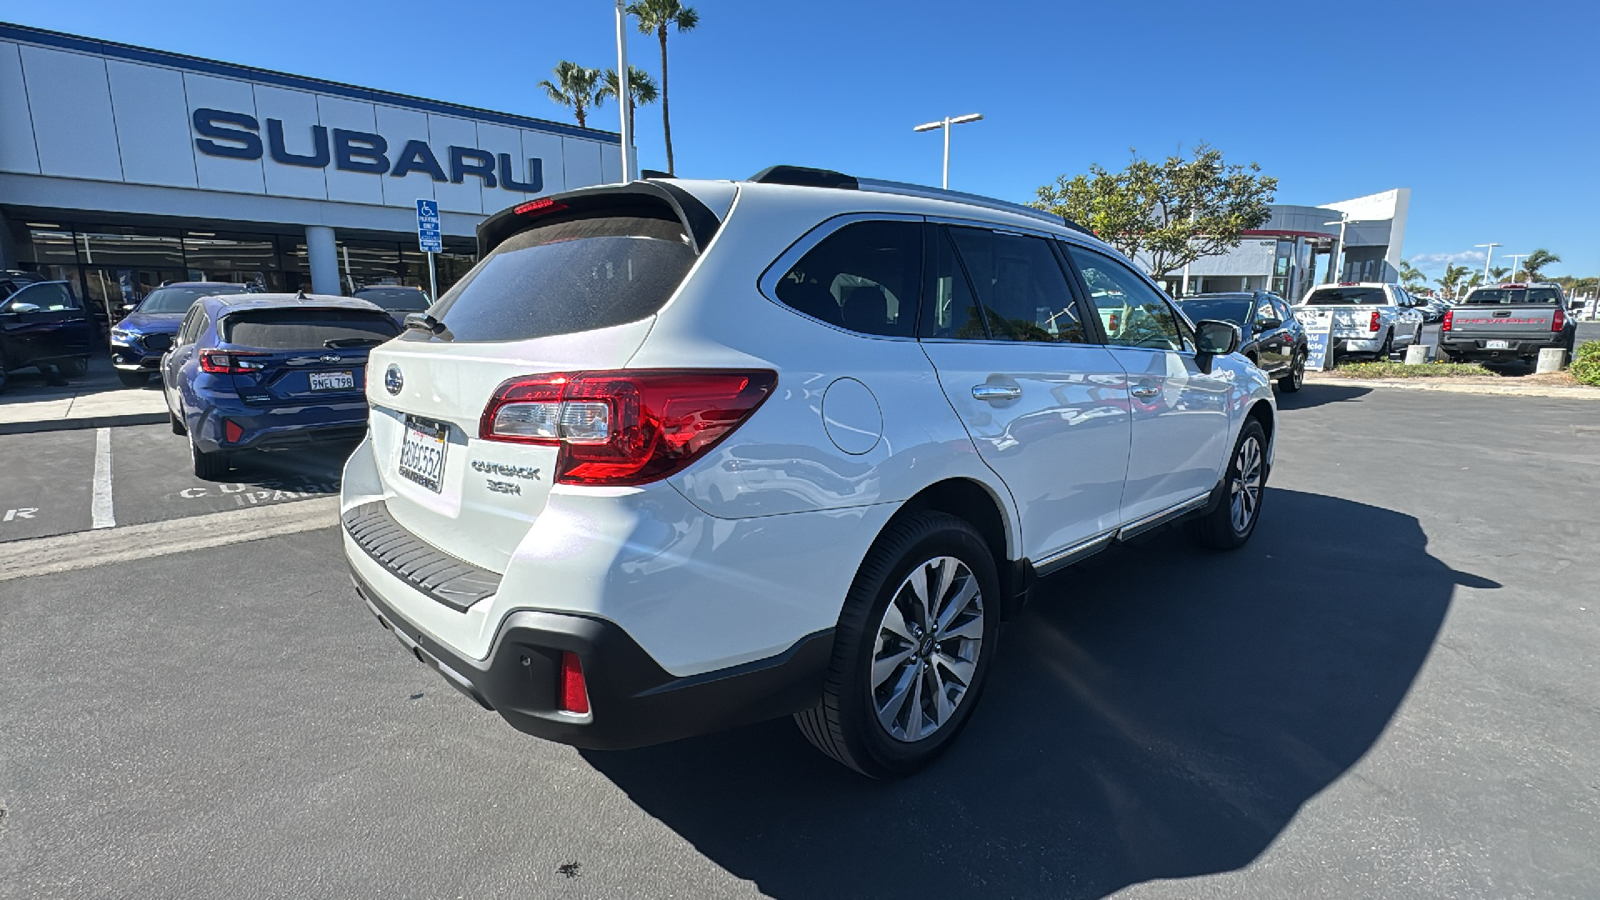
x: 273, y: 429
x: 1359, y: 345
x: 633, y: 701
x: 1516, y: 348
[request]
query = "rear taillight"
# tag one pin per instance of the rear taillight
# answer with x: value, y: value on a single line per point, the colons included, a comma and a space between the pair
x: 232, y: 431
x: 226, y: 362
x: 572, y: 695
x: 1373, y: 325
x: 1559, y: 320
x: 624, y: 427
x: 1449, y: 319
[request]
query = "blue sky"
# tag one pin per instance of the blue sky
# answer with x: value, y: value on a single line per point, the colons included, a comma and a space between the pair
x: 1489, y: 112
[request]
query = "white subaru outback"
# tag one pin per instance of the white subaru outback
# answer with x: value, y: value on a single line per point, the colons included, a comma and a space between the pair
x: 681, y: 455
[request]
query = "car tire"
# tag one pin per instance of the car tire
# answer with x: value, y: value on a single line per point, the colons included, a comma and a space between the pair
x: 1387, y: 350
x: 2, y: 373
x: 178, y: 427
x: 1231, y: 522
x: 133, y: 379
x: 888, y: 648
x: 209, y: 466
x: 1296, y: 378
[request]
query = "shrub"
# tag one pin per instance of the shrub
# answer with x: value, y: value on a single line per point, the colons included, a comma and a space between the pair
x: 1586, y: 364
x: 1387, y: 369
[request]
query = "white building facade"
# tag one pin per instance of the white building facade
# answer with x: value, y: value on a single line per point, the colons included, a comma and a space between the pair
x: 123, y: 167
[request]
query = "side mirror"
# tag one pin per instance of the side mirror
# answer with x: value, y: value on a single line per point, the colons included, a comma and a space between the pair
x: 1268, y: 324
x: 1214, y: 338
x: 23, y: 308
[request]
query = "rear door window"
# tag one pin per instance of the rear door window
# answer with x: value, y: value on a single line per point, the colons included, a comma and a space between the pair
x: 866, y: 277
x: 567, y: 277
x: 1021, y: 287
x: 307, y: 329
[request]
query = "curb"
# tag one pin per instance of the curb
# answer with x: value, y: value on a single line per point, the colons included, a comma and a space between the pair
x: 83, y: 422
x: 1443, y: 386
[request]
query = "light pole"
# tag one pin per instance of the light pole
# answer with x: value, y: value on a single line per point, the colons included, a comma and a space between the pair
x: 624, y: 85
x: 1488, y: 254
x: 1516, y: 260
x: 945, y: 123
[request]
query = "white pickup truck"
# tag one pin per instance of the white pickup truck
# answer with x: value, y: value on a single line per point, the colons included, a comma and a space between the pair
x: 1367, y: 317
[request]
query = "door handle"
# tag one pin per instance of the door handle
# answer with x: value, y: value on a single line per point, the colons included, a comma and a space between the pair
x: 994, y: 392
x: 1145, y: 393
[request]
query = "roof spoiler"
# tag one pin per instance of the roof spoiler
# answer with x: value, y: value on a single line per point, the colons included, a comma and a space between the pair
x: 698, y: 221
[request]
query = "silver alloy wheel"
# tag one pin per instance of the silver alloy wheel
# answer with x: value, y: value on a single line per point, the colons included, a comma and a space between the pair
x: 926, y: 652
x: 1297, y: 372
x: 1245, y: 490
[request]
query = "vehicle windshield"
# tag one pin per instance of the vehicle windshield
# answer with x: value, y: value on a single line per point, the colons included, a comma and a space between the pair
x: 292, y: 328
x: 1348, y: 296
x: 396, y: 299
x: 568, y: 277
x: 179, y: 299
x: 1227, y: 309
x: 1501, y: 296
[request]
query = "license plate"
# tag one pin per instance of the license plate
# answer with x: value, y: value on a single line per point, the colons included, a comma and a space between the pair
x: 1497, y: 345
x: 333, y: 381
x: 422, y: 452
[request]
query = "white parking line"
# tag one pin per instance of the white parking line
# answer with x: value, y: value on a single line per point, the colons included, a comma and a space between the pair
x: 103, y: 516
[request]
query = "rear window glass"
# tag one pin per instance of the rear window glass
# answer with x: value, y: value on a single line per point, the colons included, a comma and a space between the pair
x: 1235, y: 311
x: 1368, y: 296
x: 569, y: 277
x: 307, y: 329
x: 395, y: 299
x: 1514, y: 295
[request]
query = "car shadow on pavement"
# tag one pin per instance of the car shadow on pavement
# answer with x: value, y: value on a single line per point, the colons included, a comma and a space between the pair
x: 1313, y: 395
x: 1158, y: 712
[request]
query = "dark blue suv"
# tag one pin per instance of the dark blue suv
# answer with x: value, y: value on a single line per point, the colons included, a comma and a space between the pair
x: 138, y: 341
x: 267, y: 371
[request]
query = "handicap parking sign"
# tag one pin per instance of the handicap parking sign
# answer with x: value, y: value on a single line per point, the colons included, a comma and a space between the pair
x: 428, y: 226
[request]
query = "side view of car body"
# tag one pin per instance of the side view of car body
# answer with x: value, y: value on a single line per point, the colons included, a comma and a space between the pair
x: 140, y: 339
x: 43, y: 324
x: 266, y: 371
x: 1273, y: 338
x: 1367, y: 317
x: 680, y: 455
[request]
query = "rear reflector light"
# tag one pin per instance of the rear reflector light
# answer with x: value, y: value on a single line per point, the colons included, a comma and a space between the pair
x: 224, y: 362
x: 1449, y: 319
x: 1558, y: 321
x: 624, y: 427
x: 232, y: 431
x: 573, y: 693
x: 1373, y: 326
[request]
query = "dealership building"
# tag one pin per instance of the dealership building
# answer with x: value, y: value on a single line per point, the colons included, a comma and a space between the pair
x: 1299, y: 246
x: 123, y: 167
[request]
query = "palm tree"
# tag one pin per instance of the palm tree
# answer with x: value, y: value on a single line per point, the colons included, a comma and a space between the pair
x: 1411, y: 276
x: 1450, y: 281
x: 1532, y: 266
x: 575, y: 86
x: 657, y: 16
x: 641, y: 89
x: 1499, y: 273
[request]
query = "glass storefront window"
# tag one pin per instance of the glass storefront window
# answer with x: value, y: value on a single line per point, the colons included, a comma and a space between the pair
x: 363, y: 263
x: 47, y: 246
x: 129, y: 248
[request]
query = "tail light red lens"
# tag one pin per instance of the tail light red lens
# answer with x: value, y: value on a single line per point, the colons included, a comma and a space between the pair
x: 624, y: 427
x: 1559, y: 320
x: 227, y: 362
x: 1373, y: 326
x: 232, y: 431
x: 572, y: 695
x: 1449, y: 320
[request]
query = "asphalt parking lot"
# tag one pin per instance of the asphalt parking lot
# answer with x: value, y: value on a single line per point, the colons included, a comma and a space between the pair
x: 1389, y: 692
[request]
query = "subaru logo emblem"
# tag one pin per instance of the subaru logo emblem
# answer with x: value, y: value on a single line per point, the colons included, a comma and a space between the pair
x: 392, y: 379
x: 331, y: 357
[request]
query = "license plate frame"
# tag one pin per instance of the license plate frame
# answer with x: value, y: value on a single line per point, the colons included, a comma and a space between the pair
x: 332, y: 381
x: 423, y: 445
x: 1497, y: 345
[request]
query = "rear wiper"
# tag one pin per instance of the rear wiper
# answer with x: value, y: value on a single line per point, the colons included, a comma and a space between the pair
x: 425, y: 322
x: 339, y: 343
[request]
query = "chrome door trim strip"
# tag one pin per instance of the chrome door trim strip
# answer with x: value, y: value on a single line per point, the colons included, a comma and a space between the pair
x: 1066, y: 557
x: 1156, y: 519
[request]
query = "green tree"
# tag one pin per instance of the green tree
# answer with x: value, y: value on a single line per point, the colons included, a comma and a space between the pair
x: 1533, y: 266
x: 641, y: 89
x: 1451, y: 281
x: 1499, y: 273
x: 657, y: 16
x: 1172, y: 212
x: 577, y: 87
x: 1411, y: 277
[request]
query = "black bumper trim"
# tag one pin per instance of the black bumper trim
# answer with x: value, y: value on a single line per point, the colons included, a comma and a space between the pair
x: 453, y: 582
x: 633, y: 702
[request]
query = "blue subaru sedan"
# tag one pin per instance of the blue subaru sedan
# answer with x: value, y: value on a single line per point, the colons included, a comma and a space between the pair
x: 267, y: 371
